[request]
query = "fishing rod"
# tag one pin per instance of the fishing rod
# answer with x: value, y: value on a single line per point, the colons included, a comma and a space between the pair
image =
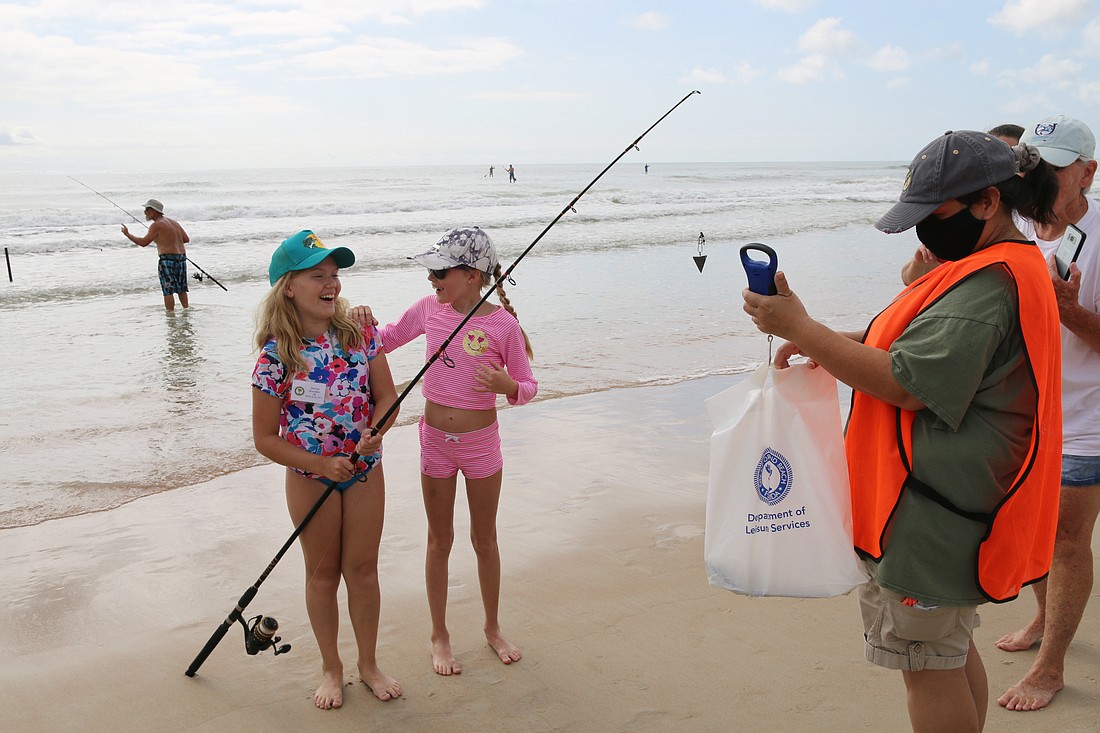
x: 139, y: 221
x: 236, y: 615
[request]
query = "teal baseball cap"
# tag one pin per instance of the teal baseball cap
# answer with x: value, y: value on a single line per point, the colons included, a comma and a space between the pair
x: 302, y: 251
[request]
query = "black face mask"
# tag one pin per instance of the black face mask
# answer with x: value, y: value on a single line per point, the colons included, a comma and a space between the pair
x: 952, y: 238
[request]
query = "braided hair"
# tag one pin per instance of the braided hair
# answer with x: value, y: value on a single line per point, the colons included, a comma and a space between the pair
x: 486, y: 281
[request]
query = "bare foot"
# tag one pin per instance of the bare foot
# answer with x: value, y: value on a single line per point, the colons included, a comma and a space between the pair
x: 443, y: 660
x: 1021, y: 640
x: 331, y: 692
x: 381, y: 684
x: 1033, y: 692
x: 507, y: 652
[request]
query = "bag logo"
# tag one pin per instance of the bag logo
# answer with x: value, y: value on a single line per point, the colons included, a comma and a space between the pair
x: 773, y: 477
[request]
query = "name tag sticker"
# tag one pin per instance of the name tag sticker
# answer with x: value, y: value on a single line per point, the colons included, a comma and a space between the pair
x: 302, y: 390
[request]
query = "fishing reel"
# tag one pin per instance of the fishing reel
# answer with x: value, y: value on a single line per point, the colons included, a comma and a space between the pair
x: 259, y: 634
x: 196, y: 276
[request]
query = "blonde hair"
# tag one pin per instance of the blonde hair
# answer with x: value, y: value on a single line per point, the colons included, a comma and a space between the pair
x: 486, y: 281
x: 277, y: 319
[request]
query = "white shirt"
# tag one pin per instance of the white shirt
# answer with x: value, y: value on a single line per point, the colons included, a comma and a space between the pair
x: 1080, y: 363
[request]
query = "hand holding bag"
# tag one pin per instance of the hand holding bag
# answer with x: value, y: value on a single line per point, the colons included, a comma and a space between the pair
x: 779, y: 513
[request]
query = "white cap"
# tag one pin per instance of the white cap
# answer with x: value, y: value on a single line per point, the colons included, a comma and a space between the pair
x: 1061, y: 140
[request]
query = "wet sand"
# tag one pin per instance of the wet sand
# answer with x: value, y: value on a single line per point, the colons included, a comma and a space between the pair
x: 604, y: 589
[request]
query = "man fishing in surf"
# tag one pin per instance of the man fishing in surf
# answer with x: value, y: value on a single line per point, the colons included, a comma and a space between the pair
x: 170, y: 238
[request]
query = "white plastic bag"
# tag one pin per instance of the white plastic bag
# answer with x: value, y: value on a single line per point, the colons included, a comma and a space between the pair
x: 779, y: 513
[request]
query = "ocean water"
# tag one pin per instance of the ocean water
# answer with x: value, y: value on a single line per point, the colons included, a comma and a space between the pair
x: 107, y: 398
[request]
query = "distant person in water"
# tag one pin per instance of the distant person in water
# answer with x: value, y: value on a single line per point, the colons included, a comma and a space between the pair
x: 170, y: 238
x: 491, y: 169
x: 511, y: 174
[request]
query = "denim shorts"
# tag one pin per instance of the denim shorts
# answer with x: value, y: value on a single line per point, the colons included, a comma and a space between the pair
x: 1080, y: 470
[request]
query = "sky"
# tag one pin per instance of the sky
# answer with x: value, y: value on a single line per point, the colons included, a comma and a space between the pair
x: 141, y: 85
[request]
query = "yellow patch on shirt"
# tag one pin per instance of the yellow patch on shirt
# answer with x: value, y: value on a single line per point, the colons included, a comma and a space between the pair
x: 475, y: 342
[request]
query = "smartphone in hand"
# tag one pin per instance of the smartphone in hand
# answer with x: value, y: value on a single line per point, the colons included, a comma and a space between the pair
x: 1068, y: 250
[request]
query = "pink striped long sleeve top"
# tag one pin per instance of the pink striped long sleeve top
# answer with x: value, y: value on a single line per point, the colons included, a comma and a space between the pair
x: 495, y: 338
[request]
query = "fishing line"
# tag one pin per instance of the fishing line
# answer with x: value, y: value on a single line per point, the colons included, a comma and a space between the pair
x: 139, y: 221
x: 236, y: 614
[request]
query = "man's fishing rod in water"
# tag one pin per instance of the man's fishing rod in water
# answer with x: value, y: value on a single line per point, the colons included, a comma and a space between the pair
x: 258, y: 636
x: 139, y: 221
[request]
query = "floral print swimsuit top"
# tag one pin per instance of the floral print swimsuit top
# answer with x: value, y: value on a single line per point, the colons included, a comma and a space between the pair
x: 325, y: 407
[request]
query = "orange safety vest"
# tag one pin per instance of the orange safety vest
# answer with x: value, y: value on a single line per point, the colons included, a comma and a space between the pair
x: 1019, y: 540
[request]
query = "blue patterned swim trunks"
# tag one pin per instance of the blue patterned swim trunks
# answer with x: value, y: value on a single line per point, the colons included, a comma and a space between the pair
x: 173, y: 274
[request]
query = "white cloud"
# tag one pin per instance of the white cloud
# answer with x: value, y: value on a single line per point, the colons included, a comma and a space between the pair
x: 240, y: 18
x: 787, y: 6
x: 1091, y: 38
x: 981, y: 68
x: 1089, y: 92
x: 891, y: 59
x: 378, y: 57
x: 1050, y: 17
x: 699, y: 75
x: 826, y: 37
x: 898, y: 83
x: 57, y: 68
x: 743, y: 73
x: 528, y: 96
x: 814, y: 67
x: 822, y: 43
x: 11, y: 136
x: 1057, y: 73
x: 649, y: 21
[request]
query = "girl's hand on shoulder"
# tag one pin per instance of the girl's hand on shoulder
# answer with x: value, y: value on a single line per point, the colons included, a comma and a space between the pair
x: 492, y: 378
x: 369, y: 443
x: 362, y: 315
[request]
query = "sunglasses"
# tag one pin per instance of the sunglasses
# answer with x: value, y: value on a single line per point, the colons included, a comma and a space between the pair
x: 440, y: 274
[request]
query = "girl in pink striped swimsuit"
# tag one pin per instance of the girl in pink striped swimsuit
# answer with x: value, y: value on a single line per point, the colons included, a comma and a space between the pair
x: 458, y: 432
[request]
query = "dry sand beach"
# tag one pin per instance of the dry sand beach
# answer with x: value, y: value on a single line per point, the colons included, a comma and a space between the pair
x: 601, y: 531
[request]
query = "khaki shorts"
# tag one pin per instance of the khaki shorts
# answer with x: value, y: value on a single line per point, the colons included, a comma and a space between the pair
x: 901, y: 633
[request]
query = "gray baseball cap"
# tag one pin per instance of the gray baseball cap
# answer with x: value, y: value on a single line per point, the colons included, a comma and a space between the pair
x: 952, y: 165
x: 1061, y: 140
x: 468, y: 246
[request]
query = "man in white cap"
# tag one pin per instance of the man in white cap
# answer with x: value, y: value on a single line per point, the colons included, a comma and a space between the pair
x: 1069, y: 145
x: 170, y: 238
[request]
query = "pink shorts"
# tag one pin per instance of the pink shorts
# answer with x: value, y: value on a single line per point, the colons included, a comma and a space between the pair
x: 477, y: 453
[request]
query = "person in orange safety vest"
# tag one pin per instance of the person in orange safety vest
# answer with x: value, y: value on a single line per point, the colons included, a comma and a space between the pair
x: 954, y: 436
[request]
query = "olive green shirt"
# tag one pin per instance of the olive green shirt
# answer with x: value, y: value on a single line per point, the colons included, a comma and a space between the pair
x: 964, y: 358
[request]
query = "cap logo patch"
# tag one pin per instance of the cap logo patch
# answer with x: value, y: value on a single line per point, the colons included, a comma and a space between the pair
x: 312, y: 242
x: 908, y: 179
x: 1045, y: 128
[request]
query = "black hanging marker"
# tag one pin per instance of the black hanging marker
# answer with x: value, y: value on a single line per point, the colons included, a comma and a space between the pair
x: 700, y: 259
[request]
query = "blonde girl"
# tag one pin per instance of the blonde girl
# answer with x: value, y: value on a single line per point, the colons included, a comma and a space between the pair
x: 318, y: 383
x: 458, y: 432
